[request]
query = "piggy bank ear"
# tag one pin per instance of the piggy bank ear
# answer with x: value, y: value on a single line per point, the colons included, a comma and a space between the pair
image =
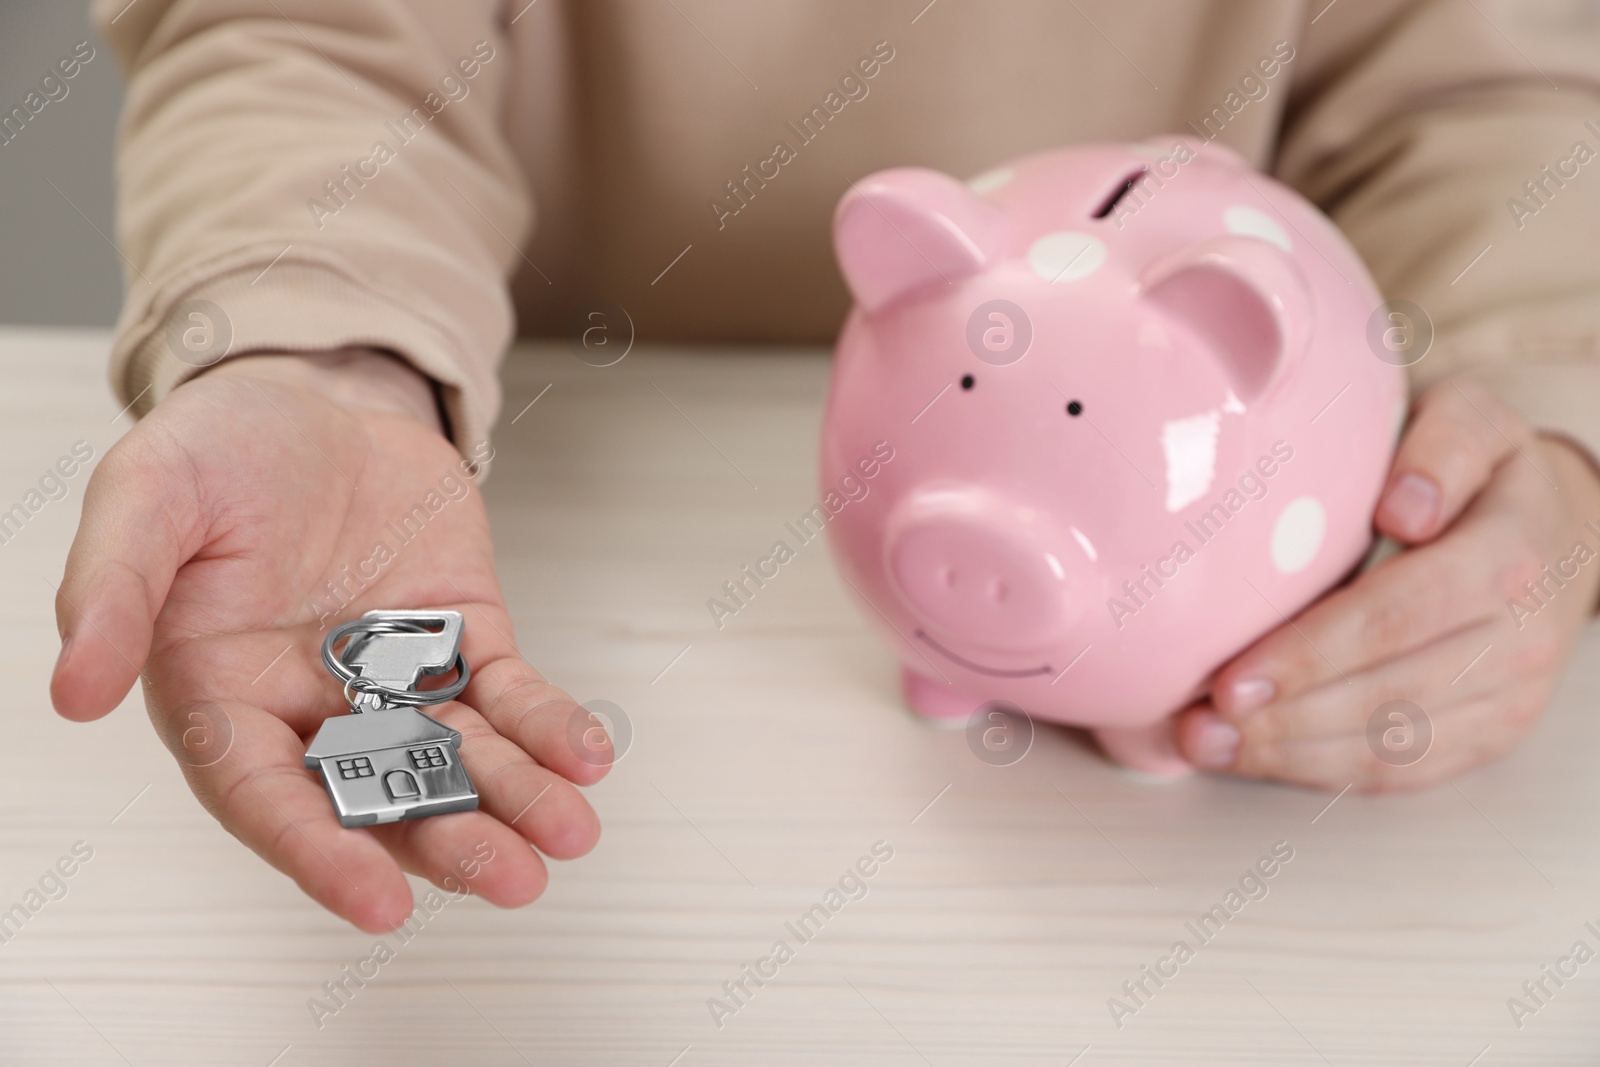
x: 1245, y: 299
x: 902, y: 229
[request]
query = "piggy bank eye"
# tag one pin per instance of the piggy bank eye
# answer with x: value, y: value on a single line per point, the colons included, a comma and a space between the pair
x: 1074, y: 408
x: 966, y: 381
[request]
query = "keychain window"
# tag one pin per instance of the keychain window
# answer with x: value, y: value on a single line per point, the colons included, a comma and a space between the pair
x: 423, y: 758
x: 360, y: 767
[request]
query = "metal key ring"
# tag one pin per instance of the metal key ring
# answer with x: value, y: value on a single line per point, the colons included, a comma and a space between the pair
x: 352, y: 680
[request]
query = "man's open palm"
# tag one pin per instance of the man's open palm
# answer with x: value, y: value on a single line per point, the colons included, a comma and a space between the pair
x: 202, y: 563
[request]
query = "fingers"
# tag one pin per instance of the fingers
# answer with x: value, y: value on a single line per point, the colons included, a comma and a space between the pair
x: 521, y: 801
x: 537, y: 803
x: 520, y: 744
x: 139, y: 524
x: 245, y: 766
x: 260, y: 791
x: 1408, y: 601
x: 1261, y: 743
x: 1462, y: 737
x: 1454, y: 582
x: 541, y: 718
x: 486, y: 851
x: 1431, y: 627
x: 469, y: 851
x: 1458, y: 435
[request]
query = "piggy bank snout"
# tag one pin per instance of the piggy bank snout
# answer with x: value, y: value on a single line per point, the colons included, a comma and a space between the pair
x: 976, y: 566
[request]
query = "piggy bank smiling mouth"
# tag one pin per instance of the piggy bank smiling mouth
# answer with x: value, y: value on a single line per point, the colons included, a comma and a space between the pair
x: 998, y: 672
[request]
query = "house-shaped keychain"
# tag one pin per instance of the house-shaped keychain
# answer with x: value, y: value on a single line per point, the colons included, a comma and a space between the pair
x: 384, y: 766
x: 387, y: 761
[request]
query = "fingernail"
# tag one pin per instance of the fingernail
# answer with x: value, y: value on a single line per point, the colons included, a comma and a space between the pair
x: 61, y: 657
x: 1216, y: 741
x: 1248, y: 694
x: 1413, y: 504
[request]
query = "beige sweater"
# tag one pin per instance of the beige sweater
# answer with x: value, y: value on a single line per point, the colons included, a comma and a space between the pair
x: 365, y: 172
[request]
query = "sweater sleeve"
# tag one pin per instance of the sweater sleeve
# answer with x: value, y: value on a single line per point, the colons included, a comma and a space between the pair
x: 296, y: 175
x: 1455, y: 142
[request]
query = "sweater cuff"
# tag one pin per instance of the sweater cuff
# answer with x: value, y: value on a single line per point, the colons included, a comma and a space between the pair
x: 300, y: 307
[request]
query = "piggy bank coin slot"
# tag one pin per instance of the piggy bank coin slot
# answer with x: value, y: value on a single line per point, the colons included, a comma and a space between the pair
x: 1119, y: 192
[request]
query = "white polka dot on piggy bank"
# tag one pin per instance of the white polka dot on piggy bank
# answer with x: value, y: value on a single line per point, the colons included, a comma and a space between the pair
x: 1249, y: 222
x: 1066, y: 256
x: 990, y: 180
x: 1297, y: 535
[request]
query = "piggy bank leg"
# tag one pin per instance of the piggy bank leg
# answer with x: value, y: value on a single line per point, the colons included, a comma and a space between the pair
x: 1150, y: 749
x: 935, y: 700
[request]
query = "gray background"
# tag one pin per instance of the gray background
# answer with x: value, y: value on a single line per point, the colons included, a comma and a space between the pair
x: 54, y: 268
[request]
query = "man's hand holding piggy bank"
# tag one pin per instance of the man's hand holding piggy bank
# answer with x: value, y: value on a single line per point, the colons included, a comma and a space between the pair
x: 1139, y: 428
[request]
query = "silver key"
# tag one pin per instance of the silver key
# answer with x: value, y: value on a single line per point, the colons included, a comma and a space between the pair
x: 386, y: 760
x: 399, y: 658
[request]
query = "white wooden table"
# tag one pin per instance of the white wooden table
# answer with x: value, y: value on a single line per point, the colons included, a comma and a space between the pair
x: 766, y: 759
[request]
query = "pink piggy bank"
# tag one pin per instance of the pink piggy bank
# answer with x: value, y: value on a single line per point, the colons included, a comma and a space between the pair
x: 1114, y: 414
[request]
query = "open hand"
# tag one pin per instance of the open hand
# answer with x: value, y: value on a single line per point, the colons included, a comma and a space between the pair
x: 202, y: 564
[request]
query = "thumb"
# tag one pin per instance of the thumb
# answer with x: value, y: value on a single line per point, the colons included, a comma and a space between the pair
x: 1459, y: 433
x: 138, y: 516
